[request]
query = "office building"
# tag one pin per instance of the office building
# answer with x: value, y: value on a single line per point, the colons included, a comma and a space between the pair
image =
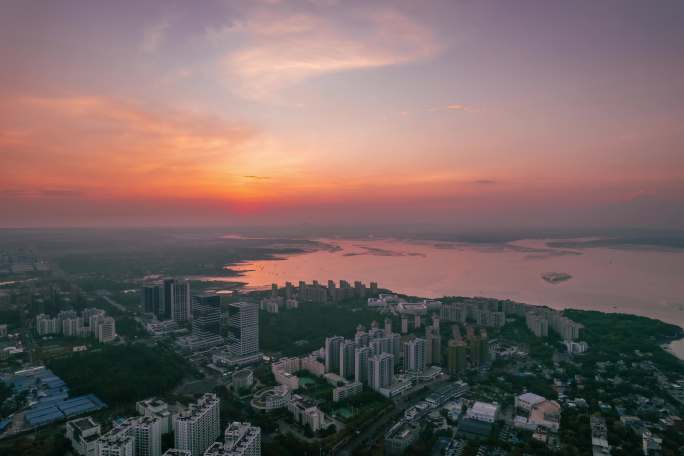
x: 181, y: 306
x: 243, y: 332
x: 206, y: 321
x: 153, y: 300
x: 199, y: 426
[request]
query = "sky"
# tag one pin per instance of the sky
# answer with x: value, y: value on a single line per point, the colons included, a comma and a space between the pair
x: 457, y: 113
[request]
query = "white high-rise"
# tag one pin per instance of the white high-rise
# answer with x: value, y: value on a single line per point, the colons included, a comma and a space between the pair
x: 414, y: 355
x: 147, y: 431
x: 120, y: 441
x: 380, y: 371
x: 199, y: 426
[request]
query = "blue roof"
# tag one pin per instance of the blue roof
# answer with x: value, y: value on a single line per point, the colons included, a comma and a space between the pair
x: 78, y: 409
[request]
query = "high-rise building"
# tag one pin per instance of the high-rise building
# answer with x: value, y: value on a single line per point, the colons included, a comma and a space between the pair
x: 414, y: 355
x: 361, y: 338
x: 457, y: 356
x: 120, y: 441
x: 361, y: 356
x: 332, y: 353
x: 374, y: 288
x: 206, y: 320
x: 181, y: 306
x: 416, y: 321
x: 199, y: 426
x: 347, y: 348
x: 404, y: 325
x: 381, y: 345
x: 243, y: 330
x: 156, y: 408
x: 106, y: 329
x: 388, y: 326
x: 380, y: 371
x: 153, y: 299
x: 83, y: 434
x: 147, y: 431
x: 484, y: 347
x: 433, y: 348
x: 435, y: 323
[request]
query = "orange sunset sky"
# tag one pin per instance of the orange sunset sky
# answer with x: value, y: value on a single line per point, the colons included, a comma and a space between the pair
x: 463, y: 113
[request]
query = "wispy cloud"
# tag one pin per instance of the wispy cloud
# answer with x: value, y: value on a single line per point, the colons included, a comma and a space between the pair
x: 41, y: 192
x: 455, y: 107
x: 257, y: 177
x: 283, y: 50
x: 154, y: 35
x: 120, y: 144
x: 484, y: 182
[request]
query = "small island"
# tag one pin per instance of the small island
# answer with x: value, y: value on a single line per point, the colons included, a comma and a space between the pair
x: 556, y: 277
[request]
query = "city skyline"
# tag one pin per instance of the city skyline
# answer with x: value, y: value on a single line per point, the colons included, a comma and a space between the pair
x: 464, y: 114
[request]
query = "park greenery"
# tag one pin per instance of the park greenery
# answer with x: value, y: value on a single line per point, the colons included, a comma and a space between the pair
x: 299, y: 331
x: 122, y: 373
x: 613, y: 336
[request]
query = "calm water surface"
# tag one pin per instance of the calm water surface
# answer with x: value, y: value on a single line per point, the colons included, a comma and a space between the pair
x: 638, y: 281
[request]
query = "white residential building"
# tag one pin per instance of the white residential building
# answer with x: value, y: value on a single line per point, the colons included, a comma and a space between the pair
x: 199, y: 426
x: 157, y: 408
x: 120, y: 441
x: 380, y: 371
x: 83, y: 434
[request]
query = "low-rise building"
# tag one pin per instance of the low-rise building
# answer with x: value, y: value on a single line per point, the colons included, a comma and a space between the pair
x: 306, y: 413
x: 401, y: 436
x: 271, y: 398
x: 342, y: 392
x: 483, y: 411
x: 243, y: 379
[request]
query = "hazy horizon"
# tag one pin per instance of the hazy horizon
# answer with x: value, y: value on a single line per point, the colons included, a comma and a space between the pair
x: 461, y: 114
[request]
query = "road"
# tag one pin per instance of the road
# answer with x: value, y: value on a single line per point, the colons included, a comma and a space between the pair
x: 378, y: 426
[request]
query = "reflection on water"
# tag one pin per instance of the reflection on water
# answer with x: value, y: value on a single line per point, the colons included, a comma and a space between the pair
x: 643, y: 282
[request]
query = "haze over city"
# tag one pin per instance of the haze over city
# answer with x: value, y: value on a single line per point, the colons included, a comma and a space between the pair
x: 460, y: 114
